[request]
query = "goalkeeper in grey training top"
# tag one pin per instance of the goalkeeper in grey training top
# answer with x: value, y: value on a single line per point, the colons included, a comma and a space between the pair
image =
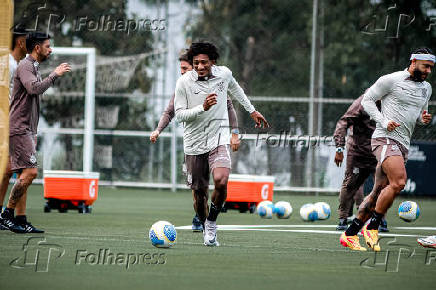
x: 404, y: 99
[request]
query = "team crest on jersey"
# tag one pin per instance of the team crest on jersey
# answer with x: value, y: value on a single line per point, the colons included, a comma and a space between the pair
x: 32, y: 159
x: 220, y: 87
x: 424, y: 93
x: 394, y: 147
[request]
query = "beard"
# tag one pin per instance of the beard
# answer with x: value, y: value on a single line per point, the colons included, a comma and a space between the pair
x: 418, y: 76
x: 44, y: 57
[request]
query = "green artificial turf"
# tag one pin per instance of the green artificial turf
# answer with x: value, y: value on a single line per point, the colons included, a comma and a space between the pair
x: 252, y: 259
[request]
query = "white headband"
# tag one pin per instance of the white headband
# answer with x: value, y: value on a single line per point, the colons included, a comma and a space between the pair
x: 420, y: 56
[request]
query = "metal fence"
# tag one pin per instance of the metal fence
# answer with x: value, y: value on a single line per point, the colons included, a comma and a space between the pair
x: 92, y: 127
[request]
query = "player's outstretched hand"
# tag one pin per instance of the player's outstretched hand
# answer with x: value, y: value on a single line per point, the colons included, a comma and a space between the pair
x: 154, y: 135
x: 235, y: 142
x: 260, y: 120
x: 62, y: 68
x: 392, y: 125
x: 426, y: 117
x: 209, y: 102
x: 339, y: 157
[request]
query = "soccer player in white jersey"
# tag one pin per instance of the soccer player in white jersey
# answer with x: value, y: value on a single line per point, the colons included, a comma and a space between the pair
x: 404, y: 99
x: 201, y: 104
x: 168, y: 115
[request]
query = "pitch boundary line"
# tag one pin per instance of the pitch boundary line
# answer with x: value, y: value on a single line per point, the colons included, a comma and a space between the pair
x: 273, y: 228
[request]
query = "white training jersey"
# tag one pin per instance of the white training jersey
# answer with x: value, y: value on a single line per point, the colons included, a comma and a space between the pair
x: 402, y: 100
x: 13, y: 64
x: 206, y: 130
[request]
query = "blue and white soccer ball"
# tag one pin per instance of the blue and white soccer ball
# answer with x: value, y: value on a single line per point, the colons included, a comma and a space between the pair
x: 265, y: 209
x: 408, y: 211
x: 323, y: 210
x: 162, y: 234
x: 308, y: 212
x: 283, y: 209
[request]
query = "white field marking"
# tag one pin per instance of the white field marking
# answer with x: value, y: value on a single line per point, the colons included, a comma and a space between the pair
x: 262, y: 228
x: 223, y: 227
x: 416, y: 228
x: 317, y: 232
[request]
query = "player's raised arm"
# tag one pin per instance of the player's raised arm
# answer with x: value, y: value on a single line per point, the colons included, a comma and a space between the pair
x: 36, y: 87
x: 375, y: 93
x: 238, y: 93
x: 183, y: 114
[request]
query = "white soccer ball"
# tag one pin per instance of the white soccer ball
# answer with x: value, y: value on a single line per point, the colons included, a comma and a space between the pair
x: 283, y: 209
x: 265, y: 209
x: 408, y: 211
x: 162, y: 234
x: 308, y: 212
x: 323, y: 210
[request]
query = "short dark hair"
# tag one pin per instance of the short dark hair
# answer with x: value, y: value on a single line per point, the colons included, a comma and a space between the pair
x: 207, y: 48
x: 35, y: 38
x: 421, y: 50
x: 17, y: 32
x: 184, y: 57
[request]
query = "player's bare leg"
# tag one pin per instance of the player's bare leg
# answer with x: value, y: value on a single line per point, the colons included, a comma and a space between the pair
x: 20, y: 209
x: 5, y: 183
x: 395, y: 170
x: 397, y: 176
x: 368, y: 205
x: 200, y: 198
x: 219, y: 195
x: 17, y: 200
x: 4, y: 188
x: 349, y: 238
x: 20, y: 187
x: 220, y: 180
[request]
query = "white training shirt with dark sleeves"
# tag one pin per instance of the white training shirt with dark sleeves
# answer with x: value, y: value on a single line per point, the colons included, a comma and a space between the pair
x: 206, y: 130
x: 402, y: 100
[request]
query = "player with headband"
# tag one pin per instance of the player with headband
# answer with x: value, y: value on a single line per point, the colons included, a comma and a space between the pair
x: 404, y: 99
